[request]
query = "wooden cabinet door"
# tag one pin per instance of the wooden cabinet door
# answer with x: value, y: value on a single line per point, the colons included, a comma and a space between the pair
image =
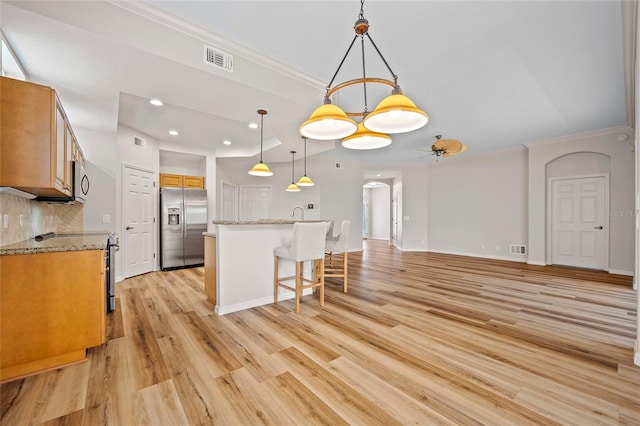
x: 60, y: 148
x: 169, y: 180
x: 68, y: 157
x: 193, y: 182
x: 62, y: 314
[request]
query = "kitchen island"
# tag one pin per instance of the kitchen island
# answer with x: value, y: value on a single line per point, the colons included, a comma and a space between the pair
x: 242, y: 260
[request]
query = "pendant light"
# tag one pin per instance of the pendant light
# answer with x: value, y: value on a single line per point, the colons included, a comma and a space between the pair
x: 305, y: 180
x: 366, y: 139
x: 293, y: 187
x: 394, y: 114
x: 261, y: 169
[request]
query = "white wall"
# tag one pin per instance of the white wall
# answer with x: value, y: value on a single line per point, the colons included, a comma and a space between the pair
x: 100, y: 148
x: 337, y: 193
x: 414, y: 212
x: 380, y: 212
x: 478, y: 205
x: 100, y: 201
x: 621, y: 184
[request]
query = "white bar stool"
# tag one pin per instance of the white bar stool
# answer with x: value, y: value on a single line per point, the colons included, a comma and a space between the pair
x: 338, y: 245
x: 308, y: 243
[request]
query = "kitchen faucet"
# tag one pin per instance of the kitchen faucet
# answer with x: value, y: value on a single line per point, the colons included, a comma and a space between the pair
x: 294, y: 211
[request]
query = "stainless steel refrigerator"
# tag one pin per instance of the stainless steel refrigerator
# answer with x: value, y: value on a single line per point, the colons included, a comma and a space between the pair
x: 184, y: 219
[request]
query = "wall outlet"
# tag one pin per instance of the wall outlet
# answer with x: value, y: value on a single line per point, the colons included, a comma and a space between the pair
x: 5, y: 220
x: 497, y: 248
x: 405, y: 218
x: 482, y: 246
x: 311, y: 206
x: 21, y: 220
x: 106, y: 218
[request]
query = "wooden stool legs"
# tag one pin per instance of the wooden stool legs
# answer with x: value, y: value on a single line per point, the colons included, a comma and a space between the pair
x: 333, y: 269
x: 301, y: 282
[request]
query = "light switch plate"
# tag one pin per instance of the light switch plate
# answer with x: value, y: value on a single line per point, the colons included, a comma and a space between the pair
x: 106, y: 218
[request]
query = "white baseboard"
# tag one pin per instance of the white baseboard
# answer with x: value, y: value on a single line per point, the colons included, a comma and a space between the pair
x: 119, y: 278
x: 482, y: 256
x: 285, y: 295
x: 537, y: 263
x: 621, y: 272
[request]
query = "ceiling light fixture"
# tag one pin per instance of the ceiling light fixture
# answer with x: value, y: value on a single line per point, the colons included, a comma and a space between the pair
x: 305, y: 180
x: 293, y: 187
x: 394, y: 114
x: 173, y: 132
x: 253, y: 125
x: 226, y: 142
x: 261, y: 169
x: 156, y: 102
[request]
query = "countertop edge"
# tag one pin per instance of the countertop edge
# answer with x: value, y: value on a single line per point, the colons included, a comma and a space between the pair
x: 265, y: 222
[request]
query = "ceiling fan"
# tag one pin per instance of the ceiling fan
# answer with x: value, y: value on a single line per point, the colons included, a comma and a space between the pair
x: 447, y: 147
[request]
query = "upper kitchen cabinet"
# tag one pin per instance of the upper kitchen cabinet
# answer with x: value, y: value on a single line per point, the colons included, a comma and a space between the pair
x: 168, y: 180
x: 38, y: 144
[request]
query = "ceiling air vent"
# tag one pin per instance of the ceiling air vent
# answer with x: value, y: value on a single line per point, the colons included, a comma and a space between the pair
x: 218, y: 58
x: 139, y: 142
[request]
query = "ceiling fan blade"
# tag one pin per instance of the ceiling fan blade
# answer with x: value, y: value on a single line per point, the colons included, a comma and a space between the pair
x: 451, y: 154
x: 452, y: 145
x: 425, y: 149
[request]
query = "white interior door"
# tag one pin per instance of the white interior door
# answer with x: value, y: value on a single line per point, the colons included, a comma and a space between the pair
x: 229, y: 201
x: 579, y: 227
x: 255, y: 202
x: 138, y: 221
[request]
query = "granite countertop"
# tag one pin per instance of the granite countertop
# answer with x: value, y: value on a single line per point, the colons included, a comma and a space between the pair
x: 264, y: 222
x: 61, y: 242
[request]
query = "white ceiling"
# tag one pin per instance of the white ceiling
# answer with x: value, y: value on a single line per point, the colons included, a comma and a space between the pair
x: 492, y: 74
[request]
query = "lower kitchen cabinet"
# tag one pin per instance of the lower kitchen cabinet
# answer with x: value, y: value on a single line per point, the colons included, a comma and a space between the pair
x: 52, y: 308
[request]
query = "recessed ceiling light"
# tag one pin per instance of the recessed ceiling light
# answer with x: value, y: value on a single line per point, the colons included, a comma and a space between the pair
x: 253, y: 125
x: 227, y: 142
x: 156, y: 102
x: 173, y: 132
x: 378, y: 175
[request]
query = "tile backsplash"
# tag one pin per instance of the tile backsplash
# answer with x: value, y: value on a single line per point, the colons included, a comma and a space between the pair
x: 37, y: 218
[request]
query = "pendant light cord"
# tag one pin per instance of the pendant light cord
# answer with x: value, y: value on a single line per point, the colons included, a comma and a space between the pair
x: 261, y: 130
x: 305, y: 156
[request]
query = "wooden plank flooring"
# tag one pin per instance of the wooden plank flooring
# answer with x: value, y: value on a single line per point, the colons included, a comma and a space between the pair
x: 421, y: 338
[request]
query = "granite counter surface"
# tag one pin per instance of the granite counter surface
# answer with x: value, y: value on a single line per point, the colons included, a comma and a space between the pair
x: 61, y: 242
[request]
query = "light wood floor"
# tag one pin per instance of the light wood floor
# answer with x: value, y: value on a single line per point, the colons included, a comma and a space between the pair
x: 419, y: 339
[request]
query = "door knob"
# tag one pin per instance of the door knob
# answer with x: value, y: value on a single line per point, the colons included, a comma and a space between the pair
x: 598, y: 227
x: 128, y: 227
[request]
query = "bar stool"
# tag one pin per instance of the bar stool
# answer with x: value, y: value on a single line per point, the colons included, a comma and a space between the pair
x: 338, y: 245
x: 308, y: 243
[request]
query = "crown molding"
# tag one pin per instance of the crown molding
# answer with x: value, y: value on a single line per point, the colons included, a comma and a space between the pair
x: 152, y: 13
x: 580, y: 136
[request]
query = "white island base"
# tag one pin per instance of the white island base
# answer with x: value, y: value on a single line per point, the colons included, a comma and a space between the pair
x: 244, y: 263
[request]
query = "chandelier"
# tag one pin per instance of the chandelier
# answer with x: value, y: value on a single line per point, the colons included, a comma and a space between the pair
x: 394, y: 114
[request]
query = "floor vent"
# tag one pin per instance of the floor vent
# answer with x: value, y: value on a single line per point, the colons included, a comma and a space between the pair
x: 218, y: 58
x: 517, y: 249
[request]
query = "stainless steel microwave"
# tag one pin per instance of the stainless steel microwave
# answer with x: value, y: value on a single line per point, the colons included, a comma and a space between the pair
x: 79, y: 191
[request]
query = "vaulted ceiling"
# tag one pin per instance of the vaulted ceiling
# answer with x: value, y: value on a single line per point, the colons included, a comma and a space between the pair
x: 490, y: 73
